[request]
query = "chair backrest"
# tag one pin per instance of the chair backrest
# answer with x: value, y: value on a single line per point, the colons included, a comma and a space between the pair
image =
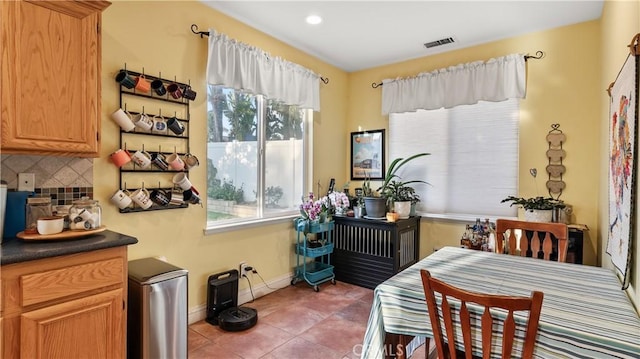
x: 541, y: 239
x: 481, y: 304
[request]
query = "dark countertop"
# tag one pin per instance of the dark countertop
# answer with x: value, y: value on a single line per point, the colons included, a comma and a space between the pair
x: 15, y: 250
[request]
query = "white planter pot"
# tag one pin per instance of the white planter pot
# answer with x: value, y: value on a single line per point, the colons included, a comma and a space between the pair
x: 403, y: 209
x: 538, y: 215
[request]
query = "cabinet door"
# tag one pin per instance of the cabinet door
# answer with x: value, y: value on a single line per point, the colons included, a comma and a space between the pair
x: 51, y: 77
x: 90, y: 327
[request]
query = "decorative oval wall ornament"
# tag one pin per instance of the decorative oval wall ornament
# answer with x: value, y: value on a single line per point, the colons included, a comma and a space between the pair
x: 556, y: 155
x: 556, y: 170
x: 556, y: 186
x: 556, y: 139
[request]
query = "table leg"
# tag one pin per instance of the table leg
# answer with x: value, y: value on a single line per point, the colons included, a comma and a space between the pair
x: 395, y: 345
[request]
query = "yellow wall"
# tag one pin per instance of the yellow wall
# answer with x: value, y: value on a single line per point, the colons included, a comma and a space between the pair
x: 620, y: 22
x: 564, y: 87
x: 157, y: 36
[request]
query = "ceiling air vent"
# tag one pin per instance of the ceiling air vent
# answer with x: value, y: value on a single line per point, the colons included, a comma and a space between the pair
x: 444, y: 41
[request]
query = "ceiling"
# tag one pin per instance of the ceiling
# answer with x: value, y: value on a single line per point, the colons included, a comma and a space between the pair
x: 356, y: 35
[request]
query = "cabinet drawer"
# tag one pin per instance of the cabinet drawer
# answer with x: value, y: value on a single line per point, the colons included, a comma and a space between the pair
x: 52, y: 284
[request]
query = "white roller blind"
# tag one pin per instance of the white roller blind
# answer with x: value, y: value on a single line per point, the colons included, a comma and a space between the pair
x: 474, y: 156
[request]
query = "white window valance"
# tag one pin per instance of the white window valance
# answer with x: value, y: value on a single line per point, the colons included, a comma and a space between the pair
x: 243, y: 67
x: 464, y: 84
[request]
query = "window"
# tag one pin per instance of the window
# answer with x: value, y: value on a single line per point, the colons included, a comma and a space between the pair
x: 474, y: 157
x: 255, y: 157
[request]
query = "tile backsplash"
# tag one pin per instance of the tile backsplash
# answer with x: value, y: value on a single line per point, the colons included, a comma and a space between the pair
x: 64, y: 179
x: 50, y: 172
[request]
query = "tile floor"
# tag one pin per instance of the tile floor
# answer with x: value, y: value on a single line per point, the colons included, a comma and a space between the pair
x: 294, y: 323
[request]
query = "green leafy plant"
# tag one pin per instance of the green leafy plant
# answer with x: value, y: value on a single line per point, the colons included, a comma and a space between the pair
x: 273, y: 194
x: 535, y: 203
x: 227, y: 191
x: 391, y: 175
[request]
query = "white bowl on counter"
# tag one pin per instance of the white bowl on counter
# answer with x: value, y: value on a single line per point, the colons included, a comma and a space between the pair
x: 50, y: 225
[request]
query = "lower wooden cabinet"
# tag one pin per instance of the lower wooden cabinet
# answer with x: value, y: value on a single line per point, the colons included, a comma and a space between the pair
x: 88, y: 320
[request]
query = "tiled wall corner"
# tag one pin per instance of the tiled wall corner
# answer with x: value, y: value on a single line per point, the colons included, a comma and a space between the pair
x: 64, y: 179
x: 50, y: 172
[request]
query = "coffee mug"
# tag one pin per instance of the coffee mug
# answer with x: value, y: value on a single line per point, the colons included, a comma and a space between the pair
x: 123, y: 119
x: 175, y: 91
x: 175, y: 125
x: 141, y: 158
x: 142, y: 198
x: 176, y: 198
x: 191, y: 196
x: 120, y: 157
x: 125, y: 80
x: 159, y: 125
x: 143, y: 121
x: 190, y: 161
x: 175, y: 162
x: 189, y: 94
x: 158, y: 87
x: 121, y: 199
x: 160, y: 197
x: 160, y: 160
x: 142, y: 84
x: 181, y: 180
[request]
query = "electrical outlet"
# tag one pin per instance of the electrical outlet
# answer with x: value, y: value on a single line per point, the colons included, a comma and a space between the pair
x: 26, y: 182
x: 242, y: 267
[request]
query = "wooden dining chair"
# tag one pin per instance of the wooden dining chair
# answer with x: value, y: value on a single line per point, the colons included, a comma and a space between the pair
x: 459, y: 306
x: 536, y: 237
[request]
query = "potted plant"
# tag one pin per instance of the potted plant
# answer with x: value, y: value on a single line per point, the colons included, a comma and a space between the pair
x: 399, y: 196
x: 536, y: 209
x: 376, y: 201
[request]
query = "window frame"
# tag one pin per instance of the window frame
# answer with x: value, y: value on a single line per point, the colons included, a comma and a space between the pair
x: 212, y: 227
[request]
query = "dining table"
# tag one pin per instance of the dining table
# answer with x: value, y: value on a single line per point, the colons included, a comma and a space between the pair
x: 585, y: 312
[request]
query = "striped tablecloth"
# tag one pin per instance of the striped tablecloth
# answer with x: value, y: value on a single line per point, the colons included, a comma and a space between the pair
x: 585, y: 314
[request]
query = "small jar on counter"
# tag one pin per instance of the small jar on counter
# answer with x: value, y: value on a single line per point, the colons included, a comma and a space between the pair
x: 37, y: 207
x: 85, y: 213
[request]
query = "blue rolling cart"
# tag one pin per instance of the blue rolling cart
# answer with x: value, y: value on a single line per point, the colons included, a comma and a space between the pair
x: 313, y: 264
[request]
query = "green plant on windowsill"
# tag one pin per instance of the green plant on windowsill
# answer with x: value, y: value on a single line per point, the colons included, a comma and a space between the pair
x: 535, y: 203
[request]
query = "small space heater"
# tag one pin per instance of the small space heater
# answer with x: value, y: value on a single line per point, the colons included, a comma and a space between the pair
x: 222, y: 303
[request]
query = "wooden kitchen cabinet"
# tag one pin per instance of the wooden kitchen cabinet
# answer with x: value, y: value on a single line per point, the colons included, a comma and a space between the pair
x: 71, y: 306
x: 50, y: 78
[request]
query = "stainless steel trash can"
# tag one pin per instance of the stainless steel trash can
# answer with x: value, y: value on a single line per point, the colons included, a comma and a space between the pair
x: 157, y: 313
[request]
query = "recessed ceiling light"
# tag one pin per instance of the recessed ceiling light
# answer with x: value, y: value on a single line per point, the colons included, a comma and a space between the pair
x: 313, y: 19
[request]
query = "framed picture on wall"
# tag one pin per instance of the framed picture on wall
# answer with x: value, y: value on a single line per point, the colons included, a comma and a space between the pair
x: 367, y: 154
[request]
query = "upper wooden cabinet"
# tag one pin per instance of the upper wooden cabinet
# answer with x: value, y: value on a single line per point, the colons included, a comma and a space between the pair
x: 50, y: 81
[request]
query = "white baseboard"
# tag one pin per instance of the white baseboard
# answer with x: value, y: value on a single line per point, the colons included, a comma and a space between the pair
x: 259, y: 288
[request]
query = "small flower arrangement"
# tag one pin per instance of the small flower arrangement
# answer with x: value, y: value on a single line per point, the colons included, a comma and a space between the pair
x: 340, y: 201
x: 312, y: 209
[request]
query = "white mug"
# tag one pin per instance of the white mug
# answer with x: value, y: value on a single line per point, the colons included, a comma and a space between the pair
x: 182, y: 181
x: 121, y: 199
x: 143, y: 121
x: 175, y: 162
x: 141, y: 158
x: 141, y: 198
x: 123, y: 119
x: 159, y: 125
x: 177, y: 198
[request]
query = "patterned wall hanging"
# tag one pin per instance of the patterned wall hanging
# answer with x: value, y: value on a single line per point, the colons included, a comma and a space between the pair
x: 555, y: 168
x: 623, y: 134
